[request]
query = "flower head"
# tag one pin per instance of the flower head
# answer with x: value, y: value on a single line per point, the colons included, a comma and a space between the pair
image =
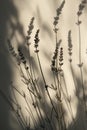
x: 81, y: 7
x: 30, y: 28
x: 36, y: 40
x: 58, y: 12
x: 61, y: 57
x: 70, y: 45
x: 21, y: 55
x: 53, y: 62
x: 12, y: 51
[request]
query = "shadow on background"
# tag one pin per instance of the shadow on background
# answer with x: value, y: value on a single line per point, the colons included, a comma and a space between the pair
x: 80, y: 121
x: 7, y: 10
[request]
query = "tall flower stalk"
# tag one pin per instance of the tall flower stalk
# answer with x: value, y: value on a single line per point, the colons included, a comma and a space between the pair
x: 28, y: 43
x: 46, y: 86
x: 56, y: 66
x: 70, y: 47
x: 79, y: 22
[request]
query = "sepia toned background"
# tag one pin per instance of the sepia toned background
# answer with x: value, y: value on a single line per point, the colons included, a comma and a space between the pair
x: 15, y: 16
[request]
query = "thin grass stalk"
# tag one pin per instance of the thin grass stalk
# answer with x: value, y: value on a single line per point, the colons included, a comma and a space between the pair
x: 28, y: 37
x: 54, y: 78
x: 71, y: 112
x: 59, y: 90
x: 63, y: 125
x: 56, y: 45
x: 40, y: 112
x: 22, y: 116
x: 12, y: 108
x: 59, y: 103
x: 36, y: 99
x: 38, y: 87
x: 49, y: 120
x: 65, y: 98
x: 29, y: 54
x: 59, y: 100
x: 38, y: 115
x: 51, y: 115
x: 31, y: 117
x: 67, y: 103
x: 56, y: 40
x: 29, y: 76
x: 20, y: 120
x: 73, y: 76
x: 47, y: 88
x: 57, y: 81
x: 61, y: 107
x: 11, y: 86
x: 35, y: 122
x: 41, y: 68
x: 26, y: 102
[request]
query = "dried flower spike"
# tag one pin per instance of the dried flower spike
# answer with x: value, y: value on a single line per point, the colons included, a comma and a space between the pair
x: 60, y: 8
x: 11, y: 48
x: 36, y: 40
x: 12, y: 51
x: 53, y: 67
x: 81, y: 7
x: 84, y: 2
x: 70, y: 45
x: 61, y: 57
x: 58, y: 11
x: 22, y: 58
x: 30, y: 28
x: 56, y: 50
